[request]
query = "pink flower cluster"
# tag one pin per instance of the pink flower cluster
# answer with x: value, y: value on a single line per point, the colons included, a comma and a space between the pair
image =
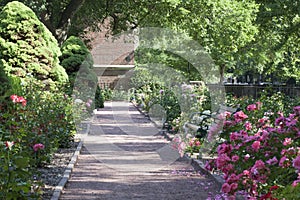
x: 18, y: 99
x: 255, y: 149
x: 38, y: 146
x: 89, y: 103
x: 194, y: 142
x: 179, y: 144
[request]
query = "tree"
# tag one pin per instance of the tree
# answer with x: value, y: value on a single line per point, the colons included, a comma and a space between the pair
x: 259, y: 35
x: 78, y: 62
x: 222, y: 27
x: 74, y: 17
x: 27, y: 47
x: 275, y: 49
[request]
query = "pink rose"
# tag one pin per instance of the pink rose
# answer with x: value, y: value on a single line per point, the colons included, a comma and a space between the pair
x: 272, y: 161
x: 208, y: 166
x: 233, y: 186
x: 246, y: 173
x: 226, y: 188
x: 259, y: 105
x: 234, y: 136
x: 235, y: 158
x: 296, y: 163
x: 287, y: 141
x: 228, y: 168
x: 222, y: 160
x: 297, y: 110
x: 282, y: 162
x: 14, y: 98
x: 38, y: 146
x: 224, y: 148
x: 259, y: 164
x: 227, y: 114
x: 240, y: 116
x: 17, y: 99
x: 295, y: 183
x: 231, y: 197
x: 248, y: 126
x: 22, y: 101
x: 256, y: 145
x: 228, y: 123
x: 233, y: 178
x: 251, y: 107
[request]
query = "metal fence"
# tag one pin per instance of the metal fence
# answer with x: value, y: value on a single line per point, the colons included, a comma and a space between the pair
x: 255, y: 90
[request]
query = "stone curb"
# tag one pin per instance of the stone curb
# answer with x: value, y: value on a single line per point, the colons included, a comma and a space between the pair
x: 199, y: 165
x: 67, y: 173
x: 196, y: 163
x: 59, y: 188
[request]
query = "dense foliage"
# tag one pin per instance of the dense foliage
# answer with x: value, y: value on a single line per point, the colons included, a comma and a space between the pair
x: 33, y: 124
x: 254, y: 36
x: 78, y: 63
x: 36, y: 117
x: 74, y: 52
x: 27, y: 48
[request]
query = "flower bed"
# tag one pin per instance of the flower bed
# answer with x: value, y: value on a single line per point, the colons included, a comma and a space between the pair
x: 261, y: 153
x: 33, y: 126
x: 257, y: 148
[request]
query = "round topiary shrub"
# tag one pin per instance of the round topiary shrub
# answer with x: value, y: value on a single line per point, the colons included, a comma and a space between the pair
x: 28, y: 49
x: 78, y: 62
x: 74, y: 53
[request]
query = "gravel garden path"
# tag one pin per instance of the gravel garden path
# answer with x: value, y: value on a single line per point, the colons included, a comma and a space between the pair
x: 125, y: 157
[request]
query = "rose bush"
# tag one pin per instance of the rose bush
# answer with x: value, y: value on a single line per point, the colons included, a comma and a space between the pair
x: 33, y: 124
x: 178, y: 101
x: 261, y: 151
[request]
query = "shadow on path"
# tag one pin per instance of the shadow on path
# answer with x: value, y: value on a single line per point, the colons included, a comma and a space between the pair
x: 124, y: 158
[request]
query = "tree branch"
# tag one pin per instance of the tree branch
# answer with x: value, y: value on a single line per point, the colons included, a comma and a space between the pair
x: 69, y: 12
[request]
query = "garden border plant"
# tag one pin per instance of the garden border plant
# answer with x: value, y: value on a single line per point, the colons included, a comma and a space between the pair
x: 260, y: 156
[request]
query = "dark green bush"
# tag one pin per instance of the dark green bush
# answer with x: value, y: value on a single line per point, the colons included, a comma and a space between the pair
x: 78, y: 62
x: 99, y: 100
x: 28, y: 49
x: 74, y: 52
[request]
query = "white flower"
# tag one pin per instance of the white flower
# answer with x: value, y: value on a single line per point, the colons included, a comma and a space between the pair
x: 78, y: 101
x: 206, y: 112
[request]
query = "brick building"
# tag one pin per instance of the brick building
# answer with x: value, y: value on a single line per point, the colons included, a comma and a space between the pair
x: 113, y: 57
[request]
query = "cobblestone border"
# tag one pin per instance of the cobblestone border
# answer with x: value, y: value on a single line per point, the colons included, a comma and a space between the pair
x: 67, y: 173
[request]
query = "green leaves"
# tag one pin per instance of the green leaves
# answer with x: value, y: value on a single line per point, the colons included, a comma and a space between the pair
x: 222, y: 27
x: 21, y: 162
x: 28, y: 47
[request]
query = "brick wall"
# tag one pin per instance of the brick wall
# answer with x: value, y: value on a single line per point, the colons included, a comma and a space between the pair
x: 110, y: 51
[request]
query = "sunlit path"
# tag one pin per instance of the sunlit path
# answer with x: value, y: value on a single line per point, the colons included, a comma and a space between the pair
x: 125, y: 157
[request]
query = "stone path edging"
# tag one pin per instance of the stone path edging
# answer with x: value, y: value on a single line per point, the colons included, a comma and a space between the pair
x: 67, y: 173
x: 196, y: 163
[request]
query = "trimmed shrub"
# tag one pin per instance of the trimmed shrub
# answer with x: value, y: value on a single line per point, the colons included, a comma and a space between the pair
x: 74, y: 52
x: 78, y: 62
x: 28, y: 49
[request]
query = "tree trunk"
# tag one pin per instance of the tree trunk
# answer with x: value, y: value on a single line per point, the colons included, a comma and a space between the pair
x: 222, y: 71
x: 66, y: 18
